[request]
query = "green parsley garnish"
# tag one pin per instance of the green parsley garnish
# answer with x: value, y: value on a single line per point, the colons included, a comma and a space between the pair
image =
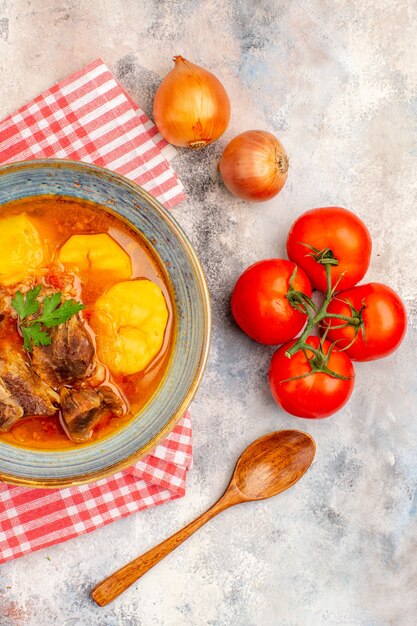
x: 33, y: 320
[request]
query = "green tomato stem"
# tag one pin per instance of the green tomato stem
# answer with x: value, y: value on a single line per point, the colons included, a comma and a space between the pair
x: 320, y: 315
x: 355, y: 321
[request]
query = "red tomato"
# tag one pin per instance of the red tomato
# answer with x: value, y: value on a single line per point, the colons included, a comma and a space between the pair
x: 317, y: 395
x: 259, y: 303
x: 384, y: 321
x: 342, y: 234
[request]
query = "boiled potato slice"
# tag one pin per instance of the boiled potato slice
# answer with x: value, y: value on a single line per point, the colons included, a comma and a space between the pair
x: 96, y: 253
x: 21, y: 249
x: 129, y: 321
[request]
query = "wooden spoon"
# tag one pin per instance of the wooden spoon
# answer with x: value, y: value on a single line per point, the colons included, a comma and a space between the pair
x: 268, y: 466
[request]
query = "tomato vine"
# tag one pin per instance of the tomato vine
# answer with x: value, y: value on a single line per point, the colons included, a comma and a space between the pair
x: 315, y: 315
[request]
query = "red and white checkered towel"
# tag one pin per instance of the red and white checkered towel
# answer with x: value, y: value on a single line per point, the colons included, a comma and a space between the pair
x: 89, y: 117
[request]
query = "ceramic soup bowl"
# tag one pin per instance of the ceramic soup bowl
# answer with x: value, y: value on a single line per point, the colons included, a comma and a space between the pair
x: 40, y: 468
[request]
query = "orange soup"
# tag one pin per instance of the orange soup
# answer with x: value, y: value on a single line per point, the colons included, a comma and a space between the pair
x: 99, y: 367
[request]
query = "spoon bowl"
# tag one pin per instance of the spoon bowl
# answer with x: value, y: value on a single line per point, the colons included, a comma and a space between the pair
x: 273, y: 463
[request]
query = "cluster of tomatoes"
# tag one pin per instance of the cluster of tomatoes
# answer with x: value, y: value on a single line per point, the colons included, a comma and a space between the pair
x: 312, y: 375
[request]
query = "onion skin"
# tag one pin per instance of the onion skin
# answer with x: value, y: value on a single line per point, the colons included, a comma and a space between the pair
x: 191, y: 107
x: 254, y: 166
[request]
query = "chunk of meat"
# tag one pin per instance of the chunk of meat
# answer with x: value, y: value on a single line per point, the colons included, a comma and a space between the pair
x: 82, y: 409
x: 69, y: 358
x: 25, y: 388
x: 10, y: 409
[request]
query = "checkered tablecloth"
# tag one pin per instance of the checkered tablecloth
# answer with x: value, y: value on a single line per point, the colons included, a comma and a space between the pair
x: 89, y: 117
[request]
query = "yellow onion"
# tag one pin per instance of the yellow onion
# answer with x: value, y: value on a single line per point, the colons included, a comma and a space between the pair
x: 191, y: 107
x: 254, y: 166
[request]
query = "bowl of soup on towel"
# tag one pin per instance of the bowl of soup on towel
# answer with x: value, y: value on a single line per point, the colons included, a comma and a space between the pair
x: 104, y: 323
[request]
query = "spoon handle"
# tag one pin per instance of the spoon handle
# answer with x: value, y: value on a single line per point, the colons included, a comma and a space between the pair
x: 118, y: 582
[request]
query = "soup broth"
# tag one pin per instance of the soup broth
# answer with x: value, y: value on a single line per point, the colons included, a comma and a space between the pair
x: 57, y: 219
